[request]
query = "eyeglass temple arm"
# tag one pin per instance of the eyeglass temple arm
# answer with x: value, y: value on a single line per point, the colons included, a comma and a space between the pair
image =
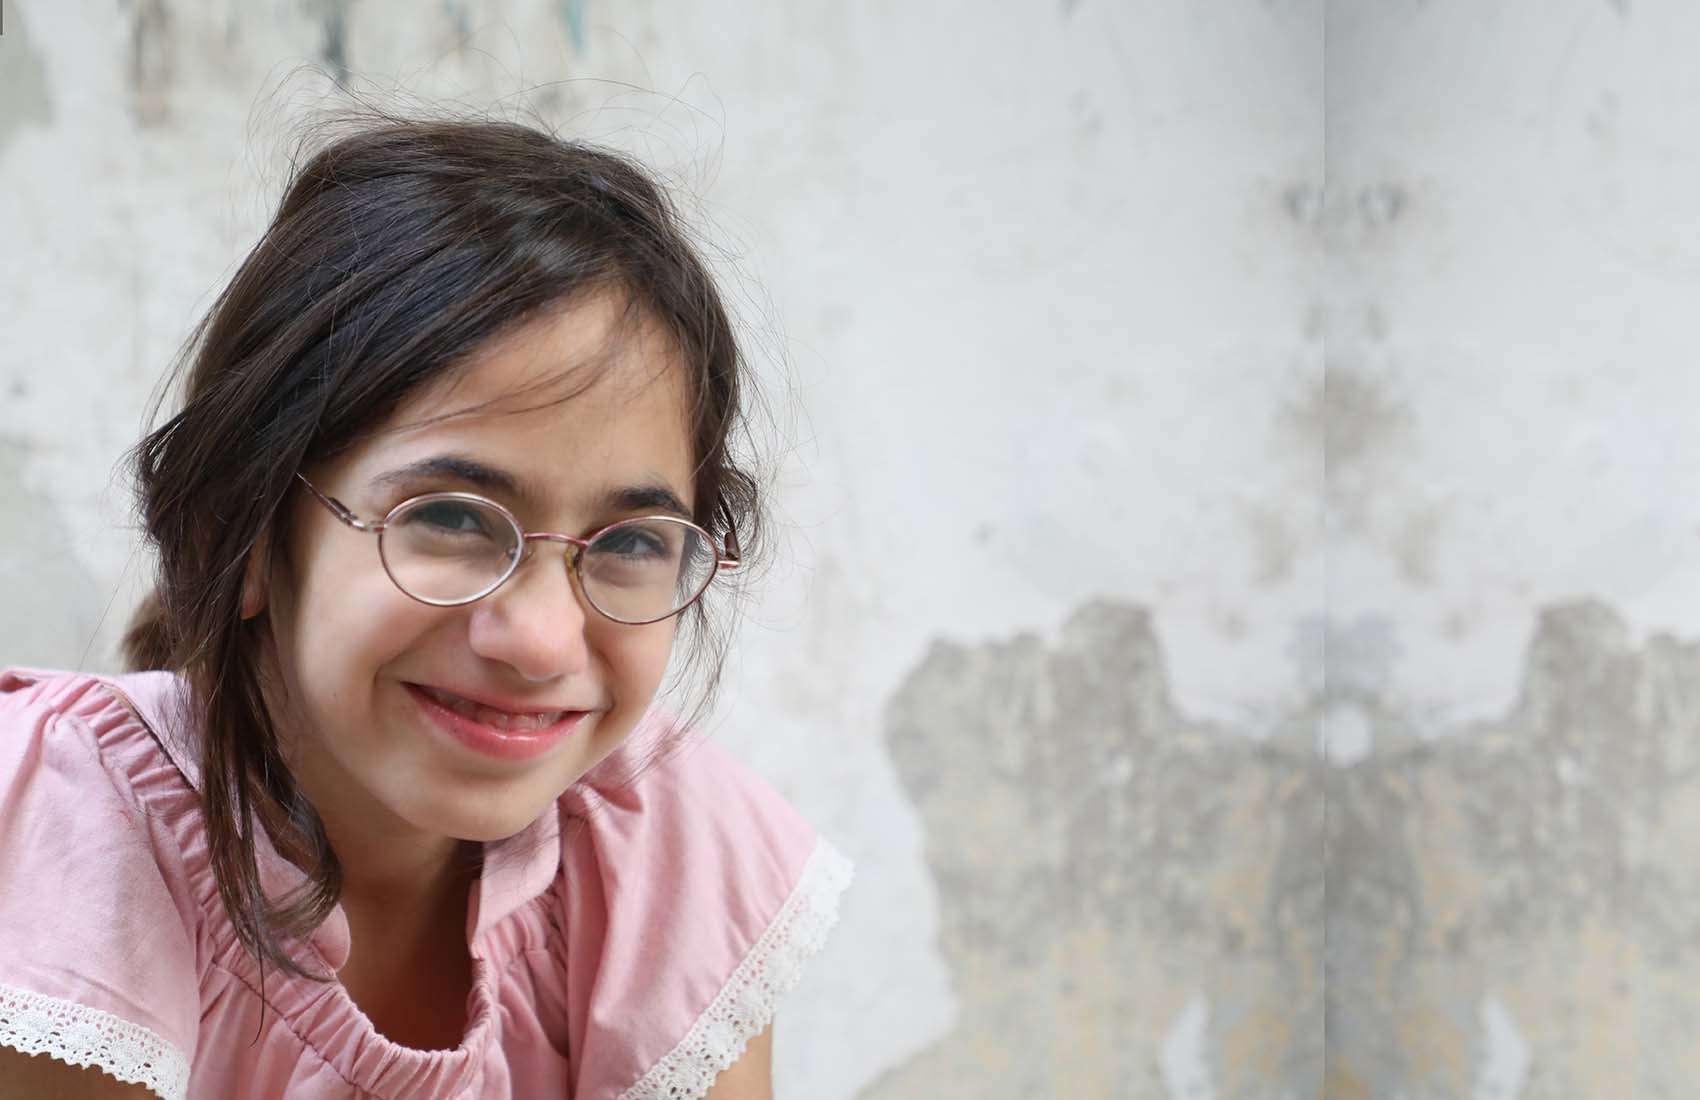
x: 338, y: 508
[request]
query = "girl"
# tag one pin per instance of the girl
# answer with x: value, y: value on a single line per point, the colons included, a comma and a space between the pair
x: 386, y: 809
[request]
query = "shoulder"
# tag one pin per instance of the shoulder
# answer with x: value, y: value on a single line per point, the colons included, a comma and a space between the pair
x: 89, y: 861
x: 705, y: 891
x: 69, y: 738
x: 75, y: 739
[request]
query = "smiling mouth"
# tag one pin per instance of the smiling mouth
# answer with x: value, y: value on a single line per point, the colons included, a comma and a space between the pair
x: 490, y: 716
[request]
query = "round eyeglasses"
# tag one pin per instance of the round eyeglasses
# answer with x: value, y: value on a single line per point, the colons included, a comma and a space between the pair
x: 448, y: 549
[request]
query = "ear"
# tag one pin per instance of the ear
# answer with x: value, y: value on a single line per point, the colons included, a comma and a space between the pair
x: 255, y: 576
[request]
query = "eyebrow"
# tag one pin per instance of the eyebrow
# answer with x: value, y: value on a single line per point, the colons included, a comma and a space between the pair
x: 645, y: 498
x: 650, y: 498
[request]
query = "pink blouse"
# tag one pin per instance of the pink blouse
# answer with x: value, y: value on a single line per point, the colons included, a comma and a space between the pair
x: 633, y: 960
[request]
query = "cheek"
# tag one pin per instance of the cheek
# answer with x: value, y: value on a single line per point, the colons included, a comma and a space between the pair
x: 345, y: 620
x: 636, y: 657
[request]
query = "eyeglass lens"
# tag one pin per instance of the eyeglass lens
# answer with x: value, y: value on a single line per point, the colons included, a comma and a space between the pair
x: 452, y: 551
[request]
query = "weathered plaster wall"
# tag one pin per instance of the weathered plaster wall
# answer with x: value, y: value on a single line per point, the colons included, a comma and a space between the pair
x: 1513, y: 256
x: 1046, y: 649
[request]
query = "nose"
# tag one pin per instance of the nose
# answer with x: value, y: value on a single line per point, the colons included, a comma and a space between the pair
x: 535, y: 623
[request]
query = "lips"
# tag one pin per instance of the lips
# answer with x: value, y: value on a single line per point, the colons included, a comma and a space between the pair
x: 512, y: 737
x: 512, y: 721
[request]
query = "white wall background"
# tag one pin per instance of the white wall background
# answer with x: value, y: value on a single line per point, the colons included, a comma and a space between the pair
x: 1534, y: 343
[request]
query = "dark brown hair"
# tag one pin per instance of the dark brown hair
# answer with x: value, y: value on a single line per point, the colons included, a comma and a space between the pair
x: 398, y: 249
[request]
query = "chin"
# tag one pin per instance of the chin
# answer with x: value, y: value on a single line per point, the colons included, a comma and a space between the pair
x: 490, y: 827
x: 477, y: 813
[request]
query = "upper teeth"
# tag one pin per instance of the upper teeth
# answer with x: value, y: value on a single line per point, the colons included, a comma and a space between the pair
x: 490, y: 716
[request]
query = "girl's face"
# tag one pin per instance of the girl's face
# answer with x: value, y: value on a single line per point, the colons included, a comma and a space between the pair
x: 351, y: 649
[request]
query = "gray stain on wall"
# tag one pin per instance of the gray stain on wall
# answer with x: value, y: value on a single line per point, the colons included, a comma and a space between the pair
x: 1362, y: 428
x: 24, y: 98
x: 1104, y: 866
x: 153, y: 62
x: 334, y: 48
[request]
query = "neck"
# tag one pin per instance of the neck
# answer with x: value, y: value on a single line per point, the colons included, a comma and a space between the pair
x: 401, y: 905
x: 404, y: 876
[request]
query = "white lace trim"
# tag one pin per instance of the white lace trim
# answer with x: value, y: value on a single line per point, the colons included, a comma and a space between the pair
x: 745, y: 1005
x: 82, y: 1036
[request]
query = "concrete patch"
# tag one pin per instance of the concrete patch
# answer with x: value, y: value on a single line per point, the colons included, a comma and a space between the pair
x: 1511, y: 910
x: 1130, y: 901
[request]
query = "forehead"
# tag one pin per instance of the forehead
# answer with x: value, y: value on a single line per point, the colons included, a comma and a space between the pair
x: 599, y: 346
x: 592, y: 394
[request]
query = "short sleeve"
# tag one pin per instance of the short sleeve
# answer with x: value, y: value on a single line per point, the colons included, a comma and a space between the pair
x: 692, y: 897
x: 97, y: 967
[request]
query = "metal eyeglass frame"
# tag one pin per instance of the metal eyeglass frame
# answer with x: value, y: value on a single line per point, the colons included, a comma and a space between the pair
x: 727, y: 558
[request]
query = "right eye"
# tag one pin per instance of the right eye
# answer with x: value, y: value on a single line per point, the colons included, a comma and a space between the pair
x: 451, y: 517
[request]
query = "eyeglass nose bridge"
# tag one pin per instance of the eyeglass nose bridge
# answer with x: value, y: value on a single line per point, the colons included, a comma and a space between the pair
x: 575, y: 556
